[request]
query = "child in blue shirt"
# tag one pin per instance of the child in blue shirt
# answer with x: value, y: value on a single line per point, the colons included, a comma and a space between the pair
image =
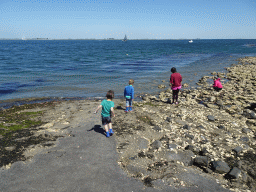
x: 129, y: 95
x: 107, y: 107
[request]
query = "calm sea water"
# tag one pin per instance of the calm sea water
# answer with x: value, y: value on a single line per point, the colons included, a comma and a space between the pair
x: 89, y: 68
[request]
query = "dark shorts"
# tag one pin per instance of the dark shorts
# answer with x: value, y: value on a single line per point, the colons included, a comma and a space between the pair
x: 105, y: 120
x: 217, y: 89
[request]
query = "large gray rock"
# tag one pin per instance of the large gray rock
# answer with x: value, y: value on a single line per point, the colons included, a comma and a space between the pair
x: 220, y: 167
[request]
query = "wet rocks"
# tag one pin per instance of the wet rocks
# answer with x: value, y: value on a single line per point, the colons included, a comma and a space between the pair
x: 161, y: 86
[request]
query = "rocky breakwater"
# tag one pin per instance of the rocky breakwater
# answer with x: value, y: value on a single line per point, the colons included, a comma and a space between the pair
x: 208, y: 132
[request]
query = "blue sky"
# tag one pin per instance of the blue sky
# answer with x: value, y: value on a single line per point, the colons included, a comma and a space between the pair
x: 152, y: 19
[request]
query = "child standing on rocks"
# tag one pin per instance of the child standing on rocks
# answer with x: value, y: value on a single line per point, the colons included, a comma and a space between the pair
x: 175, y: 81
x: 107, y: 108
x: 217, y: 84
x: 129, y: 95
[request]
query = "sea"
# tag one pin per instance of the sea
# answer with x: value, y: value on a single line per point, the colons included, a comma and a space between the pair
x: 85, y: 69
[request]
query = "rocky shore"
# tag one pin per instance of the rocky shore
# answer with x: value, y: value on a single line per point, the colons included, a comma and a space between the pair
x: 212, y: 134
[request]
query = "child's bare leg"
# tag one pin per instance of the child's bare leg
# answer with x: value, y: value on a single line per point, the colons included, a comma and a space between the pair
x: 106, y: 128
x: 110, y: 125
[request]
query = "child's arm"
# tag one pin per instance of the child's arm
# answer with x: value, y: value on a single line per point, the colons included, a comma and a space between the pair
x: 100, y: 106
x: 112, y: 110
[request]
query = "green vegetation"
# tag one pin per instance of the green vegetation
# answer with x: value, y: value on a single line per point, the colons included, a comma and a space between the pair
x: 16, y: 118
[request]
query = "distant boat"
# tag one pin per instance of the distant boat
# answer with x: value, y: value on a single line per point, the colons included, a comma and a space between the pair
x: 191, y: 41
x: 125, y: 38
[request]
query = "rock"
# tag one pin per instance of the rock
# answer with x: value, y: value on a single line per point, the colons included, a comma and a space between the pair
x: 169, y: 119
x: 211, y: 118
x: 183, y: 156
x: 237, y: 150
x: 11, y: 148
x: 145, y: 98
x: 180, y: 122
x: 189, y: 136
x: 186, y: 127
x: 252, y: 173
x: 252, y: 115
x: 156, y: 144
x: 235, y: 173
x: 221, y: 127
x: 172, y: 146
x: 185, y: 85
x: 204, y: 152
x: 220, y: 167
x: 202, y: 161
x: 161, y: 86
x: 143, y: 143
x: 157, y: 128
x: 189, y: 147
x: 244, y: 139
x: 211, y: 99
x: 246, y: 130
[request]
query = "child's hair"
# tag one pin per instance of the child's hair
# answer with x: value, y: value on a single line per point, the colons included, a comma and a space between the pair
x: 131, y: 81
x: 173, y: 70
x: 110, y: 94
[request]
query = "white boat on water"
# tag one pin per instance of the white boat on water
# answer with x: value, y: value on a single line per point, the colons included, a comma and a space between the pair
x: 125, y: 38
x: 191, y: 41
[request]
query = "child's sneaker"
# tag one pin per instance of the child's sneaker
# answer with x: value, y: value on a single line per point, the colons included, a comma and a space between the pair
x: 177, y: 103
x: 111, y: 132
x: 107, y: 134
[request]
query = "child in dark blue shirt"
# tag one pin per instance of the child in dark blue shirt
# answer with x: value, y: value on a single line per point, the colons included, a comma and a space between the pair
x: 129, y: 95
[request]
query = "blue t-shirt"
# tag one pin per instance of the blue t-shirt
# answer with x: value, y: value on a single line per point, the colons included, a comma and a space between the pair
x: 129, y: 92
x: 106, y: 108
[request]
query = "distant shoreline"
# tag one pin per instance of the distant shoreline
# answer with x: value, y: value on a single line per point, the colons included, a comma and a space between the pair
x: 108, y: 39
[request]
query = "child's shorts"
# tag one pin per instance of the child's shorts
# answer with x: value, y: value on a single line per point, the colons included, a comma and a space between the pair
x: 105, y: 120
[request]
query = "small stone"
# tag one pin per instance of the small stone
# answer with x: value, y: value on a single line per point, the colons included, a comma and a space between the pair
x: 11, y: 148
x: 235, y: 173
x: 211, y: 118
x: 189, y: 147
x: 203, y: 152
x: 189, y: 136
x: 246, y: 130
x: 221, y: 127
x: 186, y: 127
x: 244, y: 139
x: 252, y: 115
x: 207, y: 170
x: 156, y: 144
x: 220, y: 167
x: 161, y: 86
x: 169, y: 119
x: 172, y: 146
x: 238, y: 149
x: 157, y: 128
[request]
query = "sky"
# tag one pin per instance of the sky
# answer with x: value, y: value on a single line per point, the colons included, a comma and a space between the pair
x: 138, y: 19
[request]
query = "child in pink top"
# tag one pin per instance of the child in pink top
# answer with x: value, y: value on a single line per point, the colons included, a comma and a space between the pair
x: 217, y: 84
x: 175, y: 81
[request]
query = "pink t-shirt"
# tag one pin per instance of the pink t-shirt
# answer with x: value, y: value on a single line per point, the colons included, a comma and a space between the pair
x: 175, y: 80
x: 217, y: 83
